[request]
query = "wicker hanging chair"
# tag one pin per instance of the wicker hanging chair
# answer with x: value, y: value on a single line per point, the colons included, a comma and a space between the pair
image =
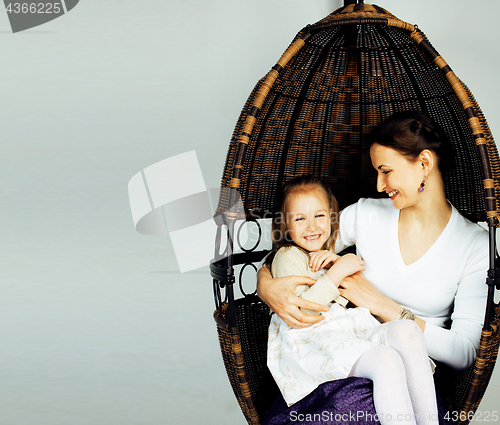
x: 310, y: 115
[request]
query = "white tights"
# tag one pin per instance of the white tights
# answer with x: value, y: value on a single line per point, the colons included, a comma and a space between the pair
x: 403, y: 387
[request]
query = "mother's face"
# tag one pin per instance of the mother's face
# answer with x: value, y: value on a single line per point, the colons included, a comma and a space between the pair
x: 397, y: 176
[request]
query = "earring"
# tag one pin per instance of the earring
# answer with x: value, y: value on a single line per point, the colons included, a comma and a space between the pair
x: 421, y: 188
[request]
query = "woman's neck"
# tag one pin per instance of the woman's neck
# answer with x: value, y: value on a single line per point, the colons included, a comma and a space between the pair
x: 432, y: 210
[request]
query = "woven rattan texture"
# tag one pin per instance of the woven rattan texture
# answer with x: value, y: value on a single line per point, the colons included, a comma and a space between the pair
x: 471, y: 384
x: 253, y: 319
x: 253, y: 322
x: 316, y: 117
x: 357, y: 11
x: 493, y: 156
x: 229, y: 340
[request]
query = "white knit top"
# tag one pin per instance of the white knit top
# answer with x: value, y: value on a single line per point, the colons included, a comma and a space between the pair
x: 448, y: 281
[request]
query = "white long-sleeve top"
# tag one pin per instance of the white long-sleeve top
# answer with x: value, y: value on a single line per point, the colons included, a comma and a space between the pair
x: 448, y: 281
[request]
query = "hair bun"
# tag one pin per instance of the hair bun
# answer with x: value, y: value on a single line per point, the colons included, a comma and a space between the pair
x: 416, y: 127
x: 410, y: 132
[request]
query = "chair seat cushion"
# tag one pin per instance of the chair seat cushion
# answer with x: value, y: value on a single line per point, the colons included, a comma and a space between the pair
x: 345, y: 401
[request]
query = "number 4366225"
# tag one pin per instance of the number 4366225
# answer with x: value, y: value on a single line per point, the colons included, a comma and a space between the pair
x: 478, y: 416
x: 33, y: 8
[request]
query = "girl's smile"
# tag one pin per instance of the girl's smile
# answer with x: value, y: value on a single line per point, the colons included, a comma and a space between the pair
x: 308, y: 220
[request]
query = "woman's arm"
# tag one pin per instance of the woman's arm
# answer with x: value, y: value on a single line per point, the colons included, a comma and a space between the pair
x: 279, y: 295
x: 457, y: 347
x: 361, y: 292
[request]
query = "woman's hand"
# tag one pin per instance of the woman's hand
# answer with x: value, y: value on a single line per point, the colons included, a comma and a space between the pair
x: 322, y: 259
x: 279, y: 295
x: 361, y: 292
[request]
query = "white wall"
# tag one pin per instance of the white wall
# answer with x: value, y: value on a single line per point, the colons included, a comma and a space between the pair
x: 97, y: 326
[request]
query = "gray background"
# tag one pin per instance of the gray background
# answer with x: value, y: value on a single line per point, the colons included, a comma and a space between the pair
x: 97, y: 326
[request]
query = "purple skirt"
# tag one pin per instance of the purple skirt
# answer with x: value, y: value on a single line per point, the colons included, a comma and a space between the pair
x: 345, y: 401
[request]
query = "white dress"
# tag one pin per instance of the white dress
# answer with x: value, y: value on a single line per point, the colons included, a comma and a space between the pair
x: 302, y: 359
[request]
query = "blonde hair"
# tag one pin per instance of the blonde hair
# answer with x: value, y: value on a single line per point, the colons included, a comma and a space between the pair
x: 300, y: 185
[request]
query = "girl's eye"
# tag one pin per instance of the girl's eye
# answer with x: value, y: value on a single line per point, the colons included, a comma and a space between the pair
x: 299, y: 219
x: 320, y: 215
x: 386, y: 172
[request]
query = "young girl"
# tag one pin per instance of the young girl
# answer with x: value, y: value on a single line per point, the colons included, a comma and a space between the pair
x: 348, y: 342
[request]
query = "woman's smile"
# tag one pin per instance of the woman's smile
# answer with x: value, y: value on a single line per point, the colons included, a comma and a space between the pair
x: 396, y: 171
x: 393, y: 194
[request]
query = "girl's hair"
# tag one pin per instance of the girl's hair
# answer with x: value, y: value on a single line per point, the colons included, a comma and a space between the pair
x: 300, y: 185
x: 409, y: 133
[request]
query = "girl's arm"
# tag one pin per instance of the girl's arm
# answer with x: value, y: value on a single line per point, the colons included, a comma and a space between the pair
x: 279, y: 295
x: 294, y: 261
x: 326, y: 288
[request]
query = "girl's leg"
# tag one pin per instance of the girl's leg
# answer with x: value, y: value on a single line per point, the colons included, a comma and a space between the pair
x: 384, y: 367
x: 407, y: 339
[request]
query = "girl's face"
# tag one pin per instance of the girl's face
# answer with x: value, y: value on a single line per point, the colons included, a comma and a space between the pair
x: 397, y: 176
x: 308, y: 219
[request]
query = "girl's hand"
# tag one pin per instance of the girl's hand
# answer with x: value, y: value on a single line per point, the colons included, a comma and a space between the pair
x: 279, y: 295
x: 345, y: 266
x: 322, y: 259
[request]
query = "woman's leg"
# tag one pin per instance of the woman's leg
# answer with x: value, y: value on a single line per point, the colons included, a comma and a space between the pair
x: 383, y: 365
x: 407, y: 339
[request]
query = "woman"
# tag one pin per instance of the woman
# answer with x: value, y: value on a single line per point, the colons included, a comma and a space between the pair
x: 423, y: 260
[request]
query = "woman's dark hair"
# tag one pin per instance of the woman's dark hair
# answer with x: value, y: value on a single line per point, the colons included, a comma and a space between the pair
x: 300, y: 185
x: 411, y: 132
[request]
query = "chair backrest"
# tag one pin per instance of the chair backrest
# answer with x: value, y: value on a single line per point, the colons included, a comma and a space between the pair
x: 337, y: 80
x: 310, y: 115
